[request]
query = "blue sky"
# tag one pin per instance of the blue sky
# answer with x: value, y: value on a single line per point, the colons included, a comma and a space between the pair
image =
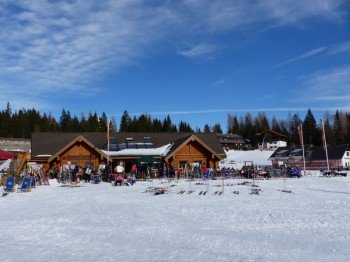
x: 196, y: 60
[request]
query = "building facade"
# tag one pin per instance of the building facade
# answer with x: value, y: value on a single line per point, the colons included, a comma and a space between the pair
x: 315, y: 157
x: 178, y: 150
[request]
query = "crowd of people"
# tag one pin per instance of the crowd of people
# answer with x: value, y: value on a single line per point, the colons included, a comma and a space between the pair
x: 118, y: 176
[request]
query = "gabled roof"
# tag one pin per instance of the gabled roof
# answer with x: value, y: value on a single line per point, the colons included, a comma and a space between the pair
x: 179, y: 143
x: 79, y: 138
x: 49, y: 143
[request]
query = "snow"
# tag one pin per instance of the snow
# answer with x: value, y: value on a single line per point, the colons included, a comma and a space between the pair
x: 105, y: 223
x: 5, y: 165
x: 236, y: 158
x: 158, y: 151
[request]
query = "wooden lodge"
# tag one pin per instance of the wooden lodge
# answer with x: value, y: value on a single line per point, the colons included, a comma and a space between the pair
x: 178, y: 150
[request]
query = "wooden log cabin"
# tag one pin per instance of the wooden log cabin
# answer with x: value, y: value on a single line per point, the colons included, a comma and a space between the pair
x: 172, y: 149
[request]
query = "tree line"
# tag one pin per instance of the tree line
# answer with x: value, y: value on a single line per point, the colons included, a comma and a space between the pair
x: 254, y: 129
x: 258, y: 129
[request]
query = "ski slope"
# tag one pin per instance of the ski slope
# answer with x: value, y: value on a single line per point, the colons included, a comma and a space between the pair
x: 105, y: 223
x: 237, y: 158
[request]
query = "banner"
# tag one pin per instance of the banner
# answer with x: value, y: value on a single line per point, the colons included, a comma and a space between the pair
x: 108, y: 126
x: 300, y: 132
x: 301, y: 140
x: 324, y: 142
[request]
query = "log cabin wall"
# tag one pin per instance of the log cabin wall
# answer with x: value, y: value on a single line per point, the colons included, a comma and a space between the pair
x: 193, y: 152
x: 80, y: 154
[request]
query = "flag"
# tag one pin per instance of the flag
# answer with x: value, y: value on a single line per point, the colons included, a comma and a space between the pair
x: 324, y: 142
x: 300, y: 132
x: 108, y: 125
x: 301, y: 139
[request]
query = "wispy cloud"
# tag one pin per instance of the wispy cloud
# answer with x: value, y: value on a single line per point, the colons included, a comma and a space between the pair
x: 310, y: 53
x: 340, y: 48
x: 228, y: 110
x: 328, y: 50
x: 223, y: 80
x: 328, y: 85
x: 200, y: 51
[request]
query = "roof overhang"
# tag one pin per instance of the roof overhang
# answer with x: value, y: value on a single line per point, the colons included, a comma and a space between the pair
x: 79, y: 138
x: 194, y: 138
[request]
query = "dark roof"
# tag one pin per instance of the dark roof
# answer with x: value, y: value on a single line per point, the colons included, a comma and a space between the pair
x: 229, y: 138
x: 334, y: 152
x: 49, y: 143
x: 178, y: 143
x: 311, y: 152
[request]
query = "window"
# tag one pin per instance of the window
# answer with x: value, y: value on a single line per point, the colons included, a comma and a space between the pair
x: 182, y: 164
x: 132, y: 145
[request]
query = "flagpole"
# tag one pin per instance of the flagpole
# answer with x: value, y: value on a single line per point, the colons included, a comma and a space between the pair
x: 301, y: 136
x: 108, y: 124
x: 325, y: 143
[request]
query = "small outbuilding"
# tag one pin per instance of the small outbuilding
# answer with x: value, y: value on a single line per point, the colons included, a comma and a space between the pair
x: 315, y: 157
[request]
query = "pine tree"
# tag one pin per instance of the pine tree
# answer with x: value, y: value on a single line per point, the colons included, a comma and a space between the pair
x: 217, y: 128
x: 206, y: 128
x: 93, y: 123
x: 250, y: 130
x: 275, y: 125
x: 6, y: 123
x: 144, y: 123
x: 76, y: 125
x: 232, y: 125
x: 337, y: 130
x: 197, y: 130
x: 294, y: 136
x: 157, y: 125
x: 103, y: 123
x: 347, y: 140
x: 125, y: 122
x: 310, y: 130
x: 328, y: 119
x: 65, y: 121
x: 185, y: 127
x: 235, y: 127
x: 168, y: 126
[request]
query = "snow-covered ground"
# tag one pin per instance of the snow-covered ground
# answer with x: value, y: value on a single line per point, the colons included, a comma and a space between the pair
x: 105, y: 223
x: 237, y: 158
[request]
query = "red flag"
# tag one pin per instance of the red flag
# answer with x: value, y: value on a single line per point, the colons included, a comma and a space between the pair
x: 300, y: 132
x: 324, y: 142
x: 108, y: 124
